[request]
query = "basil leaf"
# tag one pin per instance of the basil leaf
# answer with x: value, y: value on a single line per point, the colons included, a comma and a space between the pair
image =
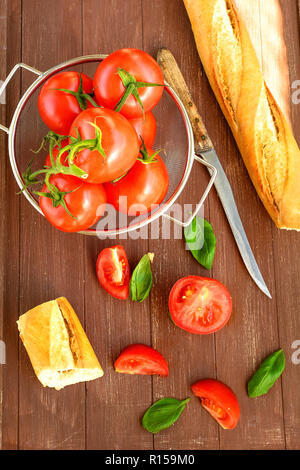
x: 267, y: 374
x: 141, y: 280
x: 163, y: 413
x: 201, y: 240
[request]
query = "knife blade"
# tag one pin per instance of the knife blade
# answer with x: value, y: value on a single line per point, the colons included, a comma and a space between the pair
x: 205, y: 148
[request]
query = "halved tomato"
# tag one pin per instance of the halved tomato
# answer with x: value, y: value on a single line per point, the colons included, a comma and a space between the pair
x: 113, y: 271
x: 143, y: 360
x: 219, y: 400
x: 200, y: 305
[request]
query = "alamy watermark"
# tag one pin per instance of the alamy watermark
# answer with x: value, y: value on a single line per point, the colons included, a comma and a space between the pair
x: 2, y: 352
x: 296, y: 92
x: 161, y: 227
x: 296, y: 354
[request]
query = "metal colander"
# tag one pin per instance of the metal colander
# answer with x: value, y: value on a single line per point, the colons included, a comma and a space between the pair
x: 175, y: 138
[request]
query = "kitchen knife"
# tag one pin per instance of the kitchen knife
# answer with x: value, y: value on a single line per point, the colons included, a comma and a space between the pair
x: 205, y: 148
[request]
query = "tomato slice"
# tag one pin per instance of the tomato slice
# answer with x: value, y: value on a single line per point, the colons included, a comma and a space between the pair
x: 200, y: 305
x: 113, y: 271
x: 143, y: 360
x: 219, y: 400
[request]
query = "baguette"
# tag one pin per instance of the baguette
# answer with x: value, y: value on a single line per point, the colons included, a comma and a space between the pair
x: 57, y: 345
x: 262, y: 133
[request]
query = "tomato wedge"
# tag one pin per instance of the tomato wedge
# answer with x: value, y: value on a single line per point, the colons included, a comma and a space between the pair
x: 219, y: 400
x: 113, y: 271
x: 143, y: 360
x: 200, y: 305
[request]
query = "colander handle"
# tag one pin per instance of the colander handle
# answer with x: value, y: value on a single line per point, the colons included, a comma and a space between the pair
x: 9, y: 77
x: 213, y: 173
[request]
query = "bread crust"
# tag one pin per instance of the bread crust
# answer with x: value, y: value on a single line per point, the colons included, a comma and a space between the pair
x: 57, y: 345
x: 263, y: 135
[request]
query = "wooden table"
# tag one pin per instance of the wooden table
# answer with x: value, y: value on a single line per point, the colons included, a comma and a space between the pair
x: 40, y: 263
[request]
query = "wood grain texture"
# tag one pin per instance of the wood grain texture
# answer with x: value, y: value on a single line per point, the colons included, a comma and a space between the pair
x: 11, y: 243
x: 262, y: 422
x: 286, y: 260
x: 3, y: 35
x: 40, y: 263
x: 50, y: 263
x: 190, y: 357
x: 114, y: 406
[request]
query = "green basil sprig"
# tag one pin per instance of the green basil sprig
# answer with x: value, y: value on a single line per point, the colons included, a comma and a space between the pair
x: 201, y: 240
x: 141, y: 279
x: 267, y: 374
x: 163, y: 413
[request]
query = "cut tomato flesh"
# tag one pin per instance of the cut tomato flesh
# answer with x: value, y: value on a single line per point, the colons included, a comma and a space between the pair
x: 113, y: 271
x: 116, y: 273
x: 141, y: 359
x: 219, y: 400
x: 216, y: 411
x: 199, y: 305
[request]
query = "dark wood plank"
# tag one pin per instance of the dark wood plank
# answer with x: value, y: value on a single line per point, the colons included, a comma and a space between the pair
x: 51, y: 264
x: 190, y: 357
x: 11, y: 244
x: 3, y: 140
x: 114, y: 405
x: 286, y: 261
x: 40, y: 263
x: 244, y: 341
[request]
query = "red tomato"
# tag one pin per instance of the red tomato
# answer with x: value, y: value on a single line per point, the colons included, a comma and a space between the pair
x: 119, y: 141
x: 109, y: 87
x: 145, y: 185
x: 56, y: 150
x: 113, y: 271
x: 58, y: 109
x: 219, y: 400
x: 143, y: 360
x: 145, y: 128
x: 200, y: 305
x: 86, y: 204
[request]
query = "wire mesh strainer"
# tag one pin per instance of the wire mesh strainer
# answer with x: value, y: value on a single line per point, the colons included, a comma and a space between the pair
x: 175, y: 138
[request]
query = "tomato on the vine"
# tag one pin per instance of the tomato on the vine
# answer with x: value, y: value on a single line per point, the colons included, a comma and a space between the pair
x: 119, y: 141
x: 142, y: 189
x: 62, y: 97
x: 63, y: 158
x: 113, y: 271
x: 130, y: 81
x: 145, y: 128
x: 78, y: 205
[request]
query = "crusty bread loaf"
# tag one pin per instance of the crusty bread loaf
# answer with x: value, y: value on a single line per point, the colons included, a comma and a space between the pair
x: 57, y: 345
x: 264, y: 137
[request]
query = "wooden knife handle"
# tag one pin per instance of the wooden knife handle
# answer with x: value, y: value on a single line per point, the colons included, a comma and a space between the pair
x: 175, y: 79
